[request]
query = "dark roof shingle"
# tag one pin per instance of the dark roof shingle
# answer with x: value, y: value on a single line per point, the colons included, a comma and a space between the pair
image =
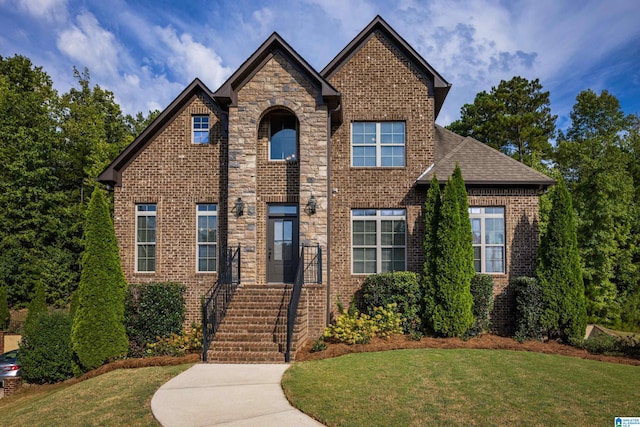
x: 480, y: 164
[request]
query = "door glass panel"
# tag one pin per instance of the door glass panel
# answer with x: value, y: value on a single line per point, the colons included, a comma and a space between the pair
x: 283, y: 240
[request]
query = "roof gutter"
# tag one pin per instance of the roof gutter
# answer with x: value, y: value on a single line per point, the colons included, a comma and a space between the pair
x: 330, y: 112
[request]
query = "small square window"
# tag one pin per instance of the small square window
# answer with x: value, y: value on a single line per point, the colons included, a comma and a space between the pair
x: 200, y: 129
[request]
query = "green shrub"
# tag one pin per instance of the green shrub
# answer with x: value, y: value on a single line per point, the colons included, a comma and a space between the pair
x: 602, y: 344
x: 528, y: 294
x: 353, y: 327
x: 45, y: 349
x: 188, y: 341
x: 318, y: 345
x: 401, y: 288
x: 5, y: 314
x: 482, y: 293
x: 153, y: 311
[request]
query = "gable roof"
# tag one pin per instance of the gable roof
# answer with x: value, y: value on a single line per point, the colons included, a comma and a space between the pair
x: 227, y: 93
x: 440, y: 85
x: 112, y: 175
x: 480, y: 164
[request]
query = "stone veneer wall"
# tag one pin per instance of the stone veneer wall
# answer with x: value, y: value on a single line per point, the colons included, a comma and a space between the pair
x: 521, y: 229
x: 258, y: 181
x: 176, y: 175
x: 378, y: 84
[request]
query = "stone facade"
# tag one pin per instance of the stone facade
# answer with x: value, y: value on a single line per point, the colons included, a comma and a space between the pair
x: 380, y: 79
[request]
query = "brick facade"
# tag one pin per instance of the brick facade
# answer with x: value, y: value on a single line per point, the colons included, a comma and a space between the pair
x: 379, y: 80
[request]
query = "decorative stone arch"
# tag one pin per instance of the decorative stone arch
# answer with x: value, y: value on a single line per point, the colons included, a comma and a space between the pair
x: 265, y: 115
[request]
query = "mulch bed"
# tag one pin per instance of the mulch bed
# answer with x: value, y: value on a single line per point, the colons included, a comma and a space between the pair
x: 486, y: 342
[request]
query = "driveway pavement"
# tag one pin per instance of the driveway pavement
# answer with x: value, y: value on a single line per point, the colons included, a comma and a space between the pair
x: 227, y: 395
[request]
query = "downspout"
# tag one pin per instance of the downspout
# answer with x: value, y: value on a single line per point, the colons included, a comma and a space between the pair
x: 329, y: 193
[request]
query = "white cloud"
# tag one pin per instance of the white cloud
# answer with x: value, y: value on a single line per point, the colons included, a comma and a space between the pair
x: 48, y: 10
x: 190, y: 59
x: 91, y: 46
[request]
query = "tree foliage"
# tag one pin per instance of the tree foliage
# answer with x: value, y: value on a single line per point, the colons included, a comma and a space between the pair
x: 431, y: 219
x: 558, y: 270
x: 53, y: 147
x: 596, y: 161
x: 5, y: 314
x: 514, y: 117
x: 98, y: 333
x: 37, y: 307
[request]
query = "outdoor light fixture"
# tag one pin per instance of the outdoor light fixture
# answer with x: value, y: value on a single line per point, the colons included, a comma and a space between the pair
x: 311, y: 206
x: 238, y: 208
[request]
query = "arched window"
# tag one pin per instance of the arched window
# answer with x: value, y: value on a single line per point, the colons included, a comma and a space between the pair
x: 283, y: 136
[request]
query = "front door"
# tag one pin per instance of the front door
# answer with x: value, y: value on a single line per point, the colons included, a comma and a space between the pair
x: 282, y: 243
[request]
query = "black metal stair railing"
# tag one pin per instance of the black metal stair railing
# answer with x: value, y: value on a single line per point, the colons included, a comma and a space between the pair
x: 309, y: 271
x: 216, y: 301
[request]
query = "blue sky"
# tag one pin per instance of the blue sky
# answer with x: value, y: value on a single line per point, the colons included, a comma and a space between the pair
x: 147, y: 51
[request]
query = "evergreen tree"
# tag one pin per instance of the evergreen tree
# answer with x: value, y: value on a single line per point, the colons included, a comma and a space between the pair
x: 594, y: 159
x: 558, y: 269
x: 5, y: 314
x: 466, y: 235
x: 98, y: 333
x: 431, y: 220
x: 515, y: 118
x: 37, y: 307
x: 452, y: 314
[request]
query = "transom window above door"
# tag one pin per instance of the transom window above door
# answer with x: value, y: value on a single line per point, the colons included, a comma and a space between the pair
x: 378, y: 144
x: 283, y: 136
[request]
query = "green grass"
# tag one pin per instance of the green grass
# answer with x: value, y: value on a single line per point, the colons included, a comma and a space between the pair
x: 118, y: 398
x: 463, y: 387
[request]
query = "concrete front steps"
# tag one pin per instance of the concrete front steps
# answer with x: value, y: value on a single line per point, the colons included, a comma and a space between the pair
x: 254, y: 329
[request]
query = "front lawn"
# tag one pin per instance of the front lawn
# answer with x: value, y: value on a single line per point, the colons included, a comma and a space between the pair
x: 463, y: 387
x: 118, y: 398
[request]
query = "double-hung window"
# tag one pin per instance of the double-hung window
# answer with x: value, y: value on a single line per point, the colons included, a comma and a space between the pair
x: 378, y: 144
x: 207, y: 240
x: 378, y: 240
x: 487, y: 227
x: 200, y: 128
x: 145, y: 238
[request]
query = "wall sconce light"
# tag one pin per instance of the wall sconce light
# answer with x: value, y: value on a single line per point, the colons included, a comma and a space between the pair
x: 312, y: 205
x: 238, y: 208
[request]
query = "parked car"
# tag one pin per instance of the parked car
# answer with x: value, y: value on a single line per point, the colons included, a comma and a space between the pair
x: 9, y: 365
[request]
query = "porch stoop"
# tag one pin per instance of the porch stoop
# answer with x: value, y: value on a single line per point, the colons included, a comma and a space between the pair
x: 254, y: 329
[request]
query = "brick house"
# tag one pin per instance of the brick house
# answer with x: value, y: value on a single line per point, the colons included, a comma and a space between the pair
x: 225, y: 186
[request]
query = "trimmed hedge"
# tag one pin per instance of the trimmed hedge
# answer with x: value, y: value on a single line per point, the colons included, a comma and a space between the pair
x: 45, y: 349
x: 401, y: 288
x: 528, y: 292
x: 153, y: 311
x: 482, y: 293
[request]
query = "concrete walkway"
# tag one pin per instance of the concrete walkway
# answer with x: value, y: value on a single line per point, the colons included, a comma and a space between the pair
x: 227, y: 395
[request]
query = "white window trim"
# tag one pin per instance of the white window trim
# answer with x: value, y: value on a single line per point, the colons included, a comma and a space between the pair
x: 378, y: 144
x: 194, y: 130
x: 378, y: 217
x: 482, y: 216
x: 147, y: 213
x: 198, y: 244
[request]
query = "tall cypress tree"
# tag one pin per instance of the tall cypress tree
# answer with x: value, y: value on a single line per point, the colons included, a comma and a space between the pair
x: 452, y: 314
x: 98, y: 332
x: 466, y: 235
x: 431, y: 220
x: 564, y: 312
